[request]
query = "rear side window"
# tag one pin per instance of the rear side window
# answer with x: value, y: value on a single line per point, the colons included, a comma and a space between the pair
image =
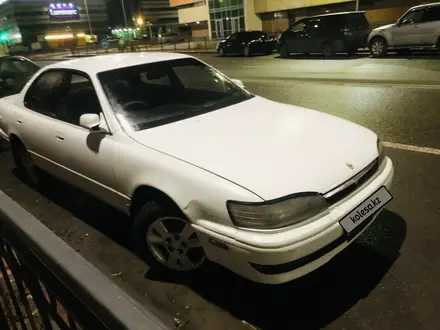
x: 45, y: 92
x: 298, y: 27
x: 356, y: 22
x: 431, y: 14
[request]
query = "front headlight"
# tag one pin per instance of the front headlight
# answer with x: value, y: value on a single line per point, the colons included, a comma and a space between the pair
x: 380, y: 150
x: 276, y: 214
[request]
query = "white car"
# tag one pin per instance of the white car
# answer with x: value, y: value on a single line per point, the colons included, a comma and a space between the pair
x: 206, y: 169
x: 419, y: 27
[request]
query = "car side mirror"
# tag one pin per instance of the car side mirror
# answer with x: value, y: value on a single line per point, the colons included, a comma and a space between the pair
x: 239, y: 83
x: 91, y: 121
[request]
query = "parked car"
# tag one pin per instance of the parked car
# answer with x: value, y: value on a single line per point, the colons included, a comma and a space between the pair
x: 327, y: 34
x: 15, y: 71
x: 172, y: 38
x: 247, y: 43
x: 418, y: 28
x: 211, y: 171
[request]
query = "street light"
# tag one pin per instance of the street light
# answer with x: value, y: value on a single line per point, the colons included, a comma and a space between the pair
x: 357, y: 5
x: 140, y: 21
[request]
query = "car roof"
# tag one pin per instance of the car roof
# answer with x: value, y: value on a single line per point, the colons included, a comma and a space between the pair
x: 337, y: 14
x: 432, y: 4
x: 96, y: 64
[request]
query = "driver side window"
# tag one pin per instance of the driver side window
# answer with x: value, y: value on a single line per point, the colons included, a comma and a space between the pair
x: 413, y: 17
x: 80, y: 99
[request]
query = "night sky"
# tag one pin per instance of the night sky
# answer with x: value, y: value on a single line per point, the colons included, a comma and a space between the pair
x: 116, y: 16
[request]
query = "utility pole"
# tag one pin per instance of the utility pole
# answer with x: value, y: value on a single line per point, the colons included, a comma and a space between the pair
x: 88, y: 19
x: 357, y: 5
x: 125, y: 17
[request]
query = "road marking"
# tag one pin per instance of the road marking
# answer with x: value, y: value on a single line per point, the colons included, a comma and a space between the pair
x: 408, y: 147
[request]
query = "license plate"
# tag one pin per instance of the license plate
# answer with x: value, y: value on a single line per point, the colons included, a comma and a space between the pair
x: 366, y: 209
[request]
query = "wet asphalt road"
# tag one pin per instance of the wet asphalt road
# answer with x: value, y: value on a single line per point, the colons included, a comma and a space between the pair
x: 387, y: 279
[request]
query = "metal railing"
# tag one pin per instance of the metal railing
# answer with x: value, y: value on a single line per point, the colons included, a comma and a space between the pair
x: 45, y: 284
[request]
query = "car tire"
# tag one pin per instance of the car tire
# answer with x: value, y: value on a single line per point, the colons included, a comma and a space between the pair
x: 26, y: 167
x: 437, y: 45
x: 328, y: 49
x: 378, y: 47
x: 221, y: 52
x: 284, y: 52
x: 247, y: 51
x: 165, y: 239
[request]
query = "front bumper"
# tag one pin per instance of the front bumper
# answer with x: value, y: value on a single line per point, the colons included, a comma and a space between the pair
x: 279, y: 256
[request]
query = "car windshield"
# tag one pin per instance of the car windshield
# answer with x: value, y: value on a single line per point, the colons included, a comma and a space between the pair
x: 150, y: 95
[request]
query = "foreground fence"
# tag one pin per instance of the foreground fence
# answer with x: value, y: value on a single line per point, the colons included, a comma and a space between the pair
x: 44, y: 284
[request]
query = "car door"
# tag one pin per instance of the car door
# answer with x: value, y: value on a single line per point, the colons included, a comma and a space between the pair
x: 429, y: 27
x: 407, y: 31
x: 35, y: 123
x: 315, y: 35
x: 87, y: 156
x: 232, y: 44
x: 15, y: 71
x: 296, y: 38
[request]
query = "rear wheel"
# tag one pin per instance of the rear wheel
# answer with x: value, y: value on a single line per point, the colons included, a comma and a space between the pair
x: 26, y: 167
x: 328, y: 49
x: 284, y: 53
x: 378, y: 47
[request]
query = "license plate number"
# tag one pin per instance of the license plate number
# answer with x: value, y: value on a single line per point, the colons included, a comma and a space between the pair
x: 366, y: 209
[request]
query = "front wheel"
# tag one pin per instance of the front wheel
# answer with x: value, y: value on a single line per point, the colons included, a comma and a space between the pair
x: 166, y: 240
x: 378, y: 47
x: 221, y: 52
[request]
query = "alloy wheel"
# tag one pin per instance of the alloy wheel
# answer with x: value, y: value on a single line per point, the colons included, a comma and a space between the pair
x: 377, y: 47
x: 174, y: 243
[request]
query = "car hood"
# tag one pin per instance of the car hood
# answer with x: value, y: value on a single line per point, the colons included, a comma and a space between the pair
x: 271, y: 149
x: 384, y: 27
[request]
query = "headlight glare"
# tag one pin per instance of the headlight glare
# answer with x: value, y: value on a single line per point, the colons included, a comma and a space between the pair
x: 278, y: 214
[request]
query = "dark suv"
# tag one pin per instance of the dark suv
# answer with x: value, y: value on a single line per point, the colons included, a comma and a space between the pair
x: 327, y: 34
x: 247, y: 43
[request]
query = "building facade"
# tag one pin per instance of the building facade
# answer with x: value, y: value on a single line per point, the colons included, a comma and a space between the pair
x: 194, y: 15
x: 29, y: 21
x: 158, y: 12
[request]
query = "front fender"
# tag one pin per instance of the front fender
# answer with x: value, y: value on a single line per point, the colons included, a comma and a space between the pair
x: 200, y: 194
x: 379, y: 33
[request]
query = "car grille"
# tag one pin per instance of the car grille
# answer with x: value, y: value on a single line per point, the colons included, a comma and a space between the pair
x: 352, y: 184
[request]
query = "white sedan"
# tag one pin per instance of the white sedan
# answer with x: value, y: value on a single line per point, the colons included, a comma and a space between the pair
x: 206, y: 169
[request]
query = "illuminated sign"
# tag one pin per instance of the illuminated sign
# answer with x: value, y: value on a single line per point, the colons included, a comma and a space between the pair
x: 67, y: 11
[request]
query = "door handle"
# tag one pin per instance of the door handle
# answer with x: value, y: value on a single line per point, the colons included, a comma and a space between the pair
x: 59, y: 138
x: 19, y: 122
